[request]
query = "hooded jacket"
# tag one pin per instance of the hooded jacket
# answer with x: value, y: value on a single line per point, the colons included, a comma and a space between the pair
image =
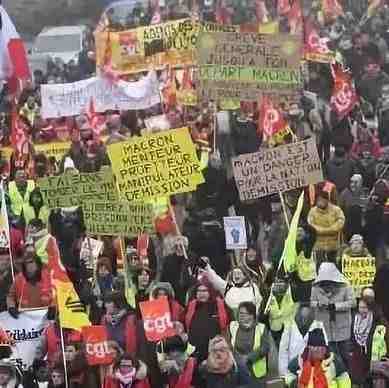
x: 339, y: 170
x: 176, y: 310
x: 338, y: 326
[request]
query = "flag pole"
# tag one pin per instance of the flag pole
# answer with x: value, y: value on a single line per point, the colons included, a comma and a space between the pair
x: 63, y: 356
x: 7, y: 228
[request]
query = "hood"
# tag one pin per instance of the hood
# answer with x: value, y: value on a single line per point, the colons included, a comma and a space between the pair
x: 329, y: 272
x: 164, y: 285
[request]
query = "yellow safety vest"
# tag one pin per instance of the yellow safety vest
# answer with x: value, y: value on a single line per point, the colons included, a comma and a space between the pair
x: 260, y: 366
x: 29, y: 214
x: 306, y: 268
x: 283, y: 314
x: 17, y: 201
x: 379, y: 350
x: 40, y: 248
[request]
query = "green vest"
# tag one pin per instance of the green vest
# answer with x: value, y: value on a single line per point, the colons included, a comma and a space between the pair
x: 260, y: 366
x: 17, y: 201
x: 40, y: 248
x: 29, y: 214
x: 281, y: 314
x: 379, y: 350
x: 306, y: 268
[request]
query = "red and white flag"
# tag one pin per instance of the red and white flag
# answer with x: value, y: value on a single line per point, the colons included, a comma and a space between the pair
x: 316, y: 47
x: 13, y: 58
x: 283, y: 7
x: 19, y: 133
x: 271, y: 121
x: 344, y: 96
x: 295, y: 16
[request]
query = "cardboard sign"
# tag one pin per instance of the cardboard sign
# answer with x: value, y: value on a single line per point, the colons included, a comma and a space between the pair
x: 97, y: 351
x: 56, y: 149
x: 360, y: 272
x: 70, y: 189
x: 277, y: 170
x: 244, y: 65
x: 72, y: 99
x: 152, y: 47
x: 156, y: 165
x: 157, y: 319
x: 235, y: 230
x: 118, y: 218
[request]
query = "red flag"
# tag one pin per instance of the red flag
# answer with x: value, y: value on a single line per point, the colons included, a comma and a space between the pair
x: 95, y: 339
x: 13, y: 58
x: 19, y: 133
x: 271, y: 120
x: 157, y: 320
x: 316, y: 47
x: 57, y: 270
x: 96, y: 120
x: 332, y: 9
x: 295, y: 16
x: 283, y: 7
x: 344, y: 96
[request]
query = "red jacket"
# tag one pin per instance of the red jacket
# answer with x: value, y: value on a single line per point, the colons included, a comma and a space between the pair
x: 111, y: 382
x: 184, y: 380
x: 221, y: 313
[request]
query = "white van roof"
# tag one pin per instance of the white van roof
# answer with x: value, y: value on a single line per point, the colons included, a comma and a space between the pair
x: 63, y: 30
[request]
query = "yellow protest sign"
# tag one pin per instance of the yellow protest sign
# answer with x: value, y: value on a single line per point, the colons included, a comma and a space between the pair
x: 118, y: 218
x: 6, y: 153
x: 72, y: 313
x: 56, y: 149
x: 156, y: 165
x: 360, y: 272
x: 153, y: 47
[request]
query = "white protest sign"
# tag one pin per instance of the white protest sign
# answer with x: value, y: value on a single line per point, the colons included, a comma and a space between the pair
x: 26, y: 331
x: 235, y: 230
x: 90, y: 251
x: 276, y: 170
x: 74, y: 98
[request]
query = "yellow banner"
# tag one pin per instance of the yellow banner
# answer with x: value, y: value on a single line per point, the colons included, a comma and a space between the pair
x: 57, y: 149
x: 156, y: 165
x: 72, y: 313
x: 360, y: 272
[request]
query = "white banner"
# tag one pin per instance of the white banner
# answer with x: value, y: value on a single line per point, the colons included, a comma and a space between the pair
x: 72, y: 99
x: 26, y: 331
x: 235, y: 230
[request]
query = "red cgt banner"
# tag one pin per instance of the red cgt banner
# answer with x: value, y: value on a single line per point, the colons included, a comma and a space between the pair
x: 157, y: 319
x: 96, y: 344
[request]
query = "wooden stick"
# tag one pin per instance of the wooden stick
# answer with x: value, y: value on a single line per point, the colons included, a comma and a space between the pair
x: 284, y: 209
x: 63, y: 356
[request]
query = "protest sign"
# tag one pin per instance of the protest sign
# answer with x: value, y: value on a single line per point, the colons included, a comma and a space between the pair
x: 275, y: 170
x: 156, y: 165
x: 359, y: 271
x: 71, y: 189
x: 90, y: 251
x: 25, y: 332
x: 74, y: 98
x: 56, y: 149
x: 118, y: 218
x: 97, y: 350
x: 243, y: 65
x: 235, y: 230
x: 157, y: 320
x: 152, y: 47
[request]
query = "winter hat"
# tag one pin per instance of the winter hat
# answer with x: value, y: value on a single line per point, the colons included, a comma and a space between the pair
x: 317, y: 338
x: 328, y: 272
x: 356, y: 238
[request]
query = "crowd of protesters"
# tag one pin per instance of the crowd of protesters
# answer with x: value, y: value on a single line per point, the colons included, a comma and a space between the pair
x: 241, y: 319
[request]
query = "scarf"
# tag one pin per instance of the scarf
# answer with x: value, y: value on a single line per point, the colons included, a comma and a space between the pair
x: 315, y: 371
x: 362, y: 327
x: 127, y: 379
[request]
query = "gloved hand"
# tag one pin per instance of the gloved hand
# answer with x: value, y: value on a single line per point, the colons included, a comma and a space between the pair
x: 13, y: 312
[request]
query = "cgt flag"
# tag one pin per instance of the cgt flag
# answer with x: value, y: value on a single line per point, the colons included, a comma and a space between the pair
x: 157, y: 319
x: 95, y: 339
x: 344, y: 96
